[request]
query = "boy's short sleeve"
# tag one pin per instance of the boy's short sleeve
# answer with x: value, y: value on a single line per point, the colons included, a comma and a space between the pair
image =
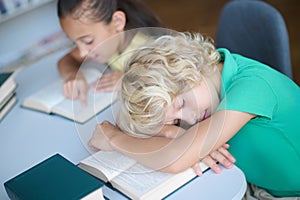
x: 251, y: 94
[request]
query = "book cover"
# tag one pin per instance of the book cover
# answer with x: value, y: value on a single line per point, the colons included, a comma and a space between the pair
x: 4, y: 77
x: 54, y: 178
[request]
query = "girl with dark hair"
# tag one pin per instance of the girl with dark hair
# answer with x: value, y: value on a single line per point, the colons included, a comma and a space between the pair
x: 88, y: 23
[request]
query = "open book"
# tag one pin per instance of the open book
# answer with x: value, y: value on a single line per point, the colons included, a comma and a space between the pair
x: 133, y: 179
x: 52, y: 100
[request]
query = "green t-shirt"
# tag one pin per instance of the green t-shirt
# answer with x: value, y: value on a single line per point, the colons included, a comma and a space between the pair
x: 267, y: 148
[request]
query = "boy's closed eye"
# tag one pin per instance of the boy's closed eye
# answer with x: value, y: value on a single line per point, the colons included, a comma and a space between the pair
x: 179, y: 103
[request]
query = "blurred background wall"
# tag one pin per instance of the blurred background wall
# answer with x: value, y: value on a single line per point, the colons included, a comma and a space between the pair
x: 202, y: 16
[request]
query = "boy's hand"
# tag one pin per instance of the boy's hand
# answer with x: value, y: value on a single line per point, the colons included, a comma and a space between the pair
x: 102, y: 135
x: 221, y: 155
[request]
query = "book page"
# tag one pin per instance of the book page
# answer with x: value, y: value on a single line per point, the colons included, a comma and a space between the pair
x: 74, y: 109
x: 7, y: 84
x: 6, y: 99
x: 96, y: 102
x: 4, y: 110
x: 97, y: 194
x: 110, y: 163
x: 139, y: 180
x: 46, y: 98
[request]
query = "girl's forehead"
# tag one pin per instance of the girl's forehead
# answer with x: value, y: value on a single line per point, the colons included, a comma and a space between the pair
x: 76, y: 28
x: 73, y: 22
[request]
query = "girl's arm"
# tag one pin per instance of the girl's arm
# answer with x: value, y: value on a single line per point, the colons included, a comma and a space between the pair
x: 75, y: 85
x: 69, y: 64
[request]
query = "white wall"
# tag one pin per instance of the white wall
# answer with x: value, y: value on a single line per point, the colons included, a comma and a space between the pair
x: 24, y: 30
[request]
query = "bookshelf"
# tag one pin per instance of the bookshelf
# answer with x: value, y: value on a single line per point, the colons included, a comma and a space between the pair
x: 31, y: 5
x: 25, y: 26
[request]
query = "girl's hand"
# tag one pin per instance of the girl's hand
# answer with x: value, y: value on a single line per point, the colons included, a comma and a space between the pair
x: 221, y: 155
x: 102, y: 136
x: 107, y: 82
x: 76, y: 88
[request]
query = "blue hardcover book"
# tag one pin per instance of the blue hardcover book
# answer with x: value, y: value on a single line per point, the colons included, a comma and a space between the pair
x: 54, y: 178
x: 2, y: 7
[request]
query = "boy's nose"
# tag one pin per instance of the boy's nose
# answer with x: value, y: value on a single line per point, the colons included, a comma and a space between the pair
x: 190, y: 118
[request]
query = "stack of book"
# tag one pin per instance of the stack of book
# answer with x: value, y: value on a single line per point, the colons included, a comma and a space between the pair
x: 7, y: 93
x: 11, y: 6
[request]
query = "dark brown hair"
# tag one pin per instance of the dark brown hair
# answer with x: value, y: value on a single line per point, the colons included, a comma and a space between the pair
x: 137, y: 13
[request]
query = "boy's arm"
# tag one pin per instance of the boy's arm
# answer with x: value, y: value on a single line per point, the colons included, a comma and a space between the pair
x: 171, y: 131
x: 178, y: 154
x: 221, y: 155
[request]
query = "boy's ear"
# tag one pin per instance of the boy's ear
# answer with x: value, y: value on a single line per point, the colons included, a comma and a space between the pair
x: 119, y: 21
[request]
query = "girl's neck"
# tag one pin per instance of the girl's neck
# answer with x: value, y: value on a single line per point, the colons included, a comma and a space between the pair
x: 125, y: 41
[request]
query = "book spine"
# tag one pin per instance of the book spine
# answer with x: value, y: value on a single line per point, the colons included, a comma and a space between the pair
x: 9, y: 6
x: 24, y: 3
x: 17, y: 3
x: 2, y: 7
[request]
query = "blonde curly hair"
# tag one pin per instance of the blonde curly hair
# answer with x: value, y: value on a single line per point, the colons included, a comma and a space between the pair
x: 156, y: 73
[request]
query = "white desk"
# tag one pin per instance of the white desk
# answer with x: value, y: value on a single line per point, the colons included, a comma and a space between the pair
x: 27, y: 137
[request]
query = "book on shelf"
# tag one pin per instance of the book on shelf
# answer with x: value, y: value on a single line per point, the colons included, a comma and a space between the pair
x: 9, y: 6
x: 54, y: 178
x: 133, y: 179
x: 2, y: 7
x: 51, y: 100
